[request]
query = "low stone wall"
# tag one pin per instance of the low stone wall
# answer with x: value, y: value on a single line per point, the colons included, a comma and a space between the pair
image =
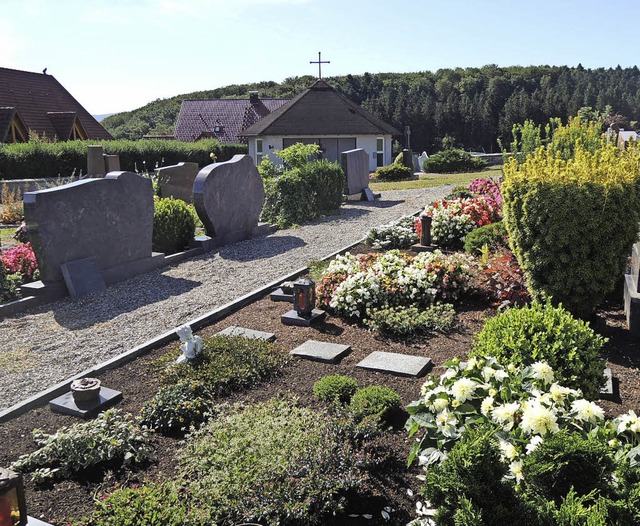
x: 31, y: 185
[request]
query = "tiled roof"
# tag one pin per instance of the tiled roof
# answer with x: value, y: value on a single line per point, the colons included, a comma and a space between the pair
x: 199, y: 118
x: 36, y: 95
x: 6, y: 116
x: 320, y: 110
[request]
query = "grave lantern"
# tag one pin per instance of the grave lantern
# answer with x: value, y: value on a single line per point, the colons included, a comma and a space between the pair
x: 304, y: 297
x: 425, y: 230
x: 13, y: 507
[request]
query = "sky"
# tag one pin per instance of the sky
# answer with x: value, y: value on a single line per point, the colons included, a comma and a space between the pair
x: 118, y: 55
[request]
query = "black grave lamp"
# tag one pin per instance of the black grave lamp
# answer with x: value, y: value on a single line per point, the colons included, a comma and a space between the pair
x: 13, y: 507
x: 425, y: 230
x: 304, y: 297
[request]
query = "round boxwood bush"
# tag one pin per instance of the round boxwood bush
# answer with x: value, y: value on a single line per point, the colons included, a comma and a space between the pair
x: 393, y: 172
x: 173, y: 225
x: 493, y: 235
x: 375, y: 401
x: 542, y: 332
x: 335, y: 387
x: 454, y: 160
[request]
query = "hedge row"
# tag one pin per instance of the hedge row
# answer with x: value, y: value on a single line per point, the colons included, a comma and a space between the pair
x: 63, y: 159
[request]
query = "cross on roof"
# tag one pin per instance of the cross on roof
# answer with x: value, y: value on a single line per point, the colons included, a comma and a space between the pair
x: 319, y: 62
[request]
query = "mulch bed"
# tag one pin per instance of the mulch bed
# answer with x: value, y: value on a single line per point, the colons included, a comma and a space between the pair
x: 388, y: 482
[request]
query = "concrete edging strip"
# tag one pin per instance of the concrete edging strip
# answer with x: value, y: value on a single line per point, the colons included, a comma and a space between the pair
x: 43, y: 397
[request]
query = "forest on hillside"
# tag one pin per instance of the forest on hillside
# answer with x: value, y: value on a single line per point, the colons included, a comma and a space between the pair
x: 467, y: 107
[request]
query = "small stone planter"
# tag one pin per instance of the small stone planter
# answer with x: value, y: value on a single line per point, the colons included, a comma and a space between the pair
x: 85, y: 389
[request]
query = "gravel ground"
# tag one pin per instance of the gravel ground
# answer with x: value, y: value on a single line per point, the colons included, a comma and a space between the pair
x: 46, y: 345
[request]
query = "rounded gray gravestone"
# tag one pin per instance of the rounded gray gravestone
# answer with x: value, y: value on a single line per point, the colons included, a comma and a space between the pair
x: 229, y: 197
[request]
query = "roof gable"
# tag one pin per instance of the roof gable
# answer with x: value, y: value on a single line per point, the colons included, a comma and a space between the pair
x: 36, y: 95
x: 9, y: 116
x: 320, y: 110
x: 223, y: 119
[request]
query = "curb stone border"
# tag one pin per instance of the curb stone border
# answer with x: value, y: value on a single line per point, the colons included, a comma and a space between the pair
x: 43, y: 397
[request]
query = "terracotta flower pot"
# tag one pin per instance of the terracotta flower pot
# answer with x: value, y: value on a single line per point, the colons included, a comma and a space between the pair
x: 85, y: 389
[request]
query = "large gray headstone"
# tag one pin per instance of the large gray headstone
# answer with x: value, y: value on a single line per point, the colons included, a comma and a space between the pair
x: 110, y: 219
x: 177, y: 180
x: 355, y: 164
x: 95, y: 161
x: 228, y: 198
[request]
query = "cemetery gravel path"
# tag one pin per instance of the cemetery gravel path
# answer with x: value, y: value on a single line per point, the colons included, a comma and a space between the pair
x: 46, y: 345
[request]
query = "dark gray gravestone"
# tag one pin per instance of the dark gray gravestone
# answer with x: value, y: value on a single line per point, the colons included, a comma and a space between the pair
x: 110, y: 219
x: 112, y: 163
x: 355, y: 165
x: 95, y: 161
x: 83, y: 276
x: 177, y: 180
x: 394, y: 363
x: 228, y: 198
x: 321, y: 351
x: 241, y: 332
x: 67, y: 405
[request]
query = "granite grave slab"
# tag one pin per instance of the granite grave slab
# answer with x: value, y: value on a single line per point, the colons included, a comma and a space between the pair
x: 67, y: 405
x: 355, y: 165
x: 395, y: 363
x: 293, y: 318
x: 247, y: 333
x: 83, y: 277
x: 177, y: 180
x: 321, y: 351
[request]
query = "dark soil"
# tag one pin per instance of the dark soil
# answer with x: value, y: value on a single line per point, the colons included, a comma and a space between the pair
x: 387, y: 483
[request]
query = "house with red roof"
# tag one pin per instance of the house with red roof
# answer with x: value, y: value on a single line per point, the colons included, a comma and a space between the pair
x: 38, y: 103
x: 322, y: 116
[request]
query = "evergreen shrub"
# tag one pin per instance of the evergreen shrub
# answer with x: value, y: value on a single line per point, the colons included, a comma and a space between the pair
x: 63, y: 159
x: 393, y: 172
x: 406, y: 321
x: 288, y: 200
x: 173, y: 225
x: 376, y: 401
x: 572, y: 222
x: 493, y: 235
x: 335, y: 387
x: 542, y: 332
x: 327, y: 183
x: 454, y: 160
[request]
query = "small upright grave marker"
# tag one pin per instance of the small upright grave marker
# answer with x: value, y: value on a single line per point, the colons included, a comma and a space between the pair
x: 177, y: 180
x: 355, y: 165
x: 425, y: 235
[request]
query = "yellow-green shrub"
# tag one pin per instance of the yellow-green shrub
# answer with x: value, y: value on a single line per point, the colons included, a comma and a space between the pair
x: 572, y: 222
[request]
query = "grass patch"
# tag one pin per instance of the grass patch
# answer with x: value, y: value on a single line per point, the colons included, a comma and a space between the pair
x: 6, y: 235
x: 432, y: 180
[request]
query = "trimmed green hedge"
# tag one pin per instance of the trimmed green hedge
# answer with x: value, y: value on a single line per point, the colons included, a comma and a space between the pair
x: 450, y: 161
x: 63, y: 159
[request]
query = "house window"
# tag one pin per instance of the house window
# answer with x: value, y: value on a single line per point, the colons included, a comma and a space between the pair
x: 380, y: 151
x: 259, y: 151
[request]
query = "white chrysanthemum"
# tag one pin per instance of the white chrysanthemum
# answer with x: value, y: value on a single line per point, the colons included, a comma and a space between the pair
x: 628, y: 421
x: 501, y: 375
x: 516, y: 470
x: 463, y: 389
x: 539, y: 420
x: 533, y: 444
x: 558, y: 392
x: 487, y: 405
x: 472, y: 363
x: 587, y: 411
x: 542, y: 371
x: 446, y: 419
x: 439, y: 404
x: 504, y: 415
x: 488, y: 373
x: 508, y: 450
x: 449, y: 373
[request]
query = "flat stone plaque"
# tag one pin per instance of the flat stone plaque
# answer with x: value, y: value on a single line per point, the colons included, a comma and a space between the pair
x: 321, y: 351
x: 292, y: 318
x: 368, y: 195
x: 83, y: 276
x: 67, y: 405
x: 398, y: 364
x: 279, y: 295
x: 247, y: 333
x: 422, y: 248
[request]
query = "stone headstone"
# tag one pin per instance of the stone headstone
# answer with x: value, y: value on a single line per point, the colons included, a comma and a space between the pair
x: 111, y: 163
x: 632, y: 293
x: 421, y: 159
x: 241, y: 332
x: 228, y: 198
x: 355, y: 165
x: 95, y: 161
x: 83, y: 276
x: 110, y: 219
x: 321, y: 351
x: 394, y: 363
x: 67, y: 405
x: 407, y: 158
x: 177, y: 180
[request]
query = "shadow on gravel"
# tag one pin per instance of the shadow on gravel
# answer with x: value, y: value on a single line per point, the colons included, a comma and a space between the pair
x: 260, y: 248
x: 118, y: 299
x: 380, y: 203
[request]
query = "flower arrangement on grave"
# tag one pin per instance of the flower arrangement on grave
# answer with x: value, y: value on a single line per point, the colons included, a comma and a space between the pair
x: 397, y: 234
x: 20, y: 260
x: 489, y: 189
x: 191, y: 345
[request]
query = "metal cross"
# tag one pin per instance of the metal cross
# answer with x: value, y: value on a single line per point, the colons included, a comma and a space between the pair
x: 319, y: 62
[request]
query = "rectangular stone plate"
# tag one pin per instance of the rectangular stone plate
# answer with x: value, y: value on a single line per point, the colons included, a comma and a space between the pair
x: 83, y: 276
x: 292, y: 318
x: 248, y: 333
x: 398, y: 364
x: 321, y: 351
x: 67, y: 405
x: 279, y: 295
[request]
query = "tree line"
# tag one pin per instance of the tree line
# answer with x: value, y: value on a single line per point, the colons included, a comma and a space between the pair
x: 472, y: 108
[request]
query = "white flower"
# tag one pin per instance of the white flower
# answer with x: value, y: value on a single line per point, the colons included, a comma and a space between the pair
x: 487, y: 405
x: 533, y: 444
x: 509, y: 451
x: 501, y: 375
x: 445, y: 419
x: 463, y: 389
x: 449, y: 373
x: 516, y: 470
x: 558, y: 392
x: 504, y: 415
x: 184, y: 333
x: 542, y: 371
x: 439, y: 404
x: 538, y: 419
x: 587, y: 411
x: 488, y: 373
x: 628, y: 421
